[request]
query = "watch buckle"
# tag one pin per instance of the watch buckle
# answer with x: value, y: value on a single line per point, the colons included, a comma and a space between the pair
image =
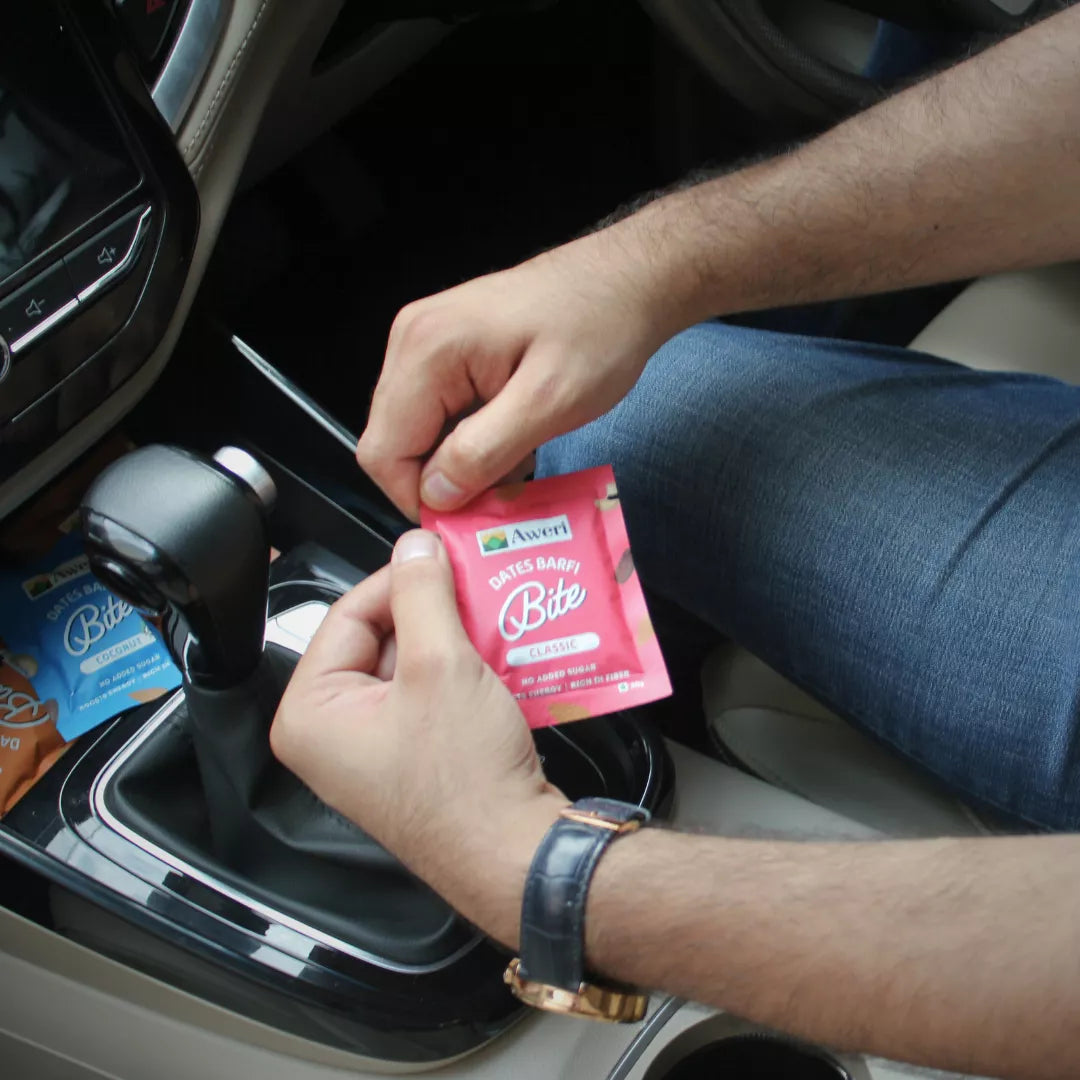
x: 590, y: 1002
x: 599, y: 821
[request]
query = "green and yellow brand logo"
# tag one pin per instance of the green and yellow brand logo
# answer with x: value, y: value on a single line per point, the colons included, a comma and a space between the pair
x: 41, y: 584
x: 492, y: 540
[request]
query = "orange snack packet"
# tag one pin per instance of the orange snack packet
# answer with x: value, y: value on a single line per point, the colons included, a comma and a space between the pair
x: 29, y: 740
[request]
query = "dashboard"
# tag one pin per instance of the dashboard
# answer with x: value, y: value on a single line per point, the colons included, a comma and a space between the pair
x: 126, y: 127
x: 98, y: 218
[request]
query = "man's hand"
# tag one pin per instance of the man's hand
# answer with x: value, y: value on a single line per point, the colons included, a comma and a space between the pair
x: 943, y: 181
x: 394, y: 720
x: 541, y: 349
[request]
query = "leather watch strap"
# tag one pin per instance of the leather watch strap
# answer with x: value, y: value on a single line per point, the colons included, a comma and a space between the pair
x: 553, y: 907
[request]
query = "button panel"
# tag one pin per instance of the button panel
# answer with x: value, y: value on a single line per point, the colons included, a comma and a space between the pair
x: 103, y: 260
x: 30, y: 312
x: 55, y: 294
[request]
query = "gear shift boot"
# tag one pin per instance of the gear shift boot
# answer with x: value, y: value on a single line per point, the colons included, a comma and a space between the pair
x: 207, y: 789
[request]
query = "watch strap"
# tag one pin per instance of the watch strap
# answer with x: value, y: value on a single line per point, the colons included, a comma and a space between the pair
x: 553, y: 906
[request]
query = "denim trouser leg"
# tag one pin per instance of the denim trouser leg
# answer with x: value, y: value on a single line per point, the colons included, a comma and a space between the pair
x: 898, y: 535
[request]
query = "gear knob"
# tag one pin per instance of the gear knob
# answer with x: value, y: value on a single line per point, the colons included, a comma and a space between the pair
x: 177, y: 535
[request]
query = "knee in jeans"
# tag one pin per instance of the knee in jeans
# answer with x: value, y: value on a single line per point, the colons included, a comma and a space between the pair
x: 583, y: 448
x: 653, y: 415
x: 614, y: 439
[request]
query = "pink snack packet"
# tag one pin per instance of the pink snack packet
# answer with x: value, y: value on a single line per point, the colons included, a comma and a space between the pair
x: 548, y: 595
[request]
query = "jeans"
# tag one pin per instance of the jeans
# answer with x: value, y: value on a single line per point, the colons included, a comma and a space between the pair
x: 894, y: 533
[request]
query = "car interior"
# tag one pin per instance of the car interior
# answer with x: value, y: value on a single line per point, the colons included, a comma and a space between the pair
x: 173, y: 903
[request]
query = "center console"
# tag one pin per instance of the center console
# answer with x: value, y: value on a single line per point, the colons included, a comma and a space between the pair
x: 222, y: 867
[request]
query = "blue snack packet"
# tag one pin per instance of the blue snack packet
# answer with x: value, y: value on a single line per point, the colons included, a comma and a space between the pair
x: 92, y: 654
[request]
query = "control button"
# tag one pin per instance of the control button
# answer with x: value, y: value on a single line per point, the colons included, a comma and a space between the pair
x: 147, y: 22
x: 27, y: 314
x: 5, y: 359
x: 106, y: 258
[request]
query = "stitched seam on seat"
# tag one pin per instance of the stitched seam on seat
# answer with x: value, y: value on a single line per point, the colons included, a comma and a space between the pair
x: 226, y: 79
x: 205, y: 157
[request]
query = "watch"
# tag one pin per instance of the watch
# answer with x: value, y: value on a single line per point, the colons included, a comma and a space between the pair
x: 550, y: 973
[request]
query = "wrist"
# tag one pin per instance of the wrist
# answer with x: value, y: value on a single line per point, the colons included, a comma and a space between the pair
x: 635, y: 265
x: 483, y: 873
x: 551, y: 972
x: 667, y: 263
x: 611, y: 928
x: 705, y: 247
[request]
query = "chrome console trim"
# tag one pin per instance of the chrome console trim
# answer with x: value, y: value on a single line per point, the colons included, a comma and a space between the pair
x: 190, y: 56
x: 122, y: 266
x: 43, y: 327
x: 249, y: 472
x: 101, y: 810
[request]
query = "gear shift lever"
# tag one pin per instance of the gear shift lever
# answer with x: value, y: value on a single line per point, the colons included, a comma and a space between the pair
x: 185, y: 538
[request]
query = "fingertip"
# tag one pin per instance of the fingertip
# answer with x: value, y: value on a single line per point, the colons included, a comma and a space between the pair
x: 483, y: 448
x: 416, y: 544
x: 439, y: 492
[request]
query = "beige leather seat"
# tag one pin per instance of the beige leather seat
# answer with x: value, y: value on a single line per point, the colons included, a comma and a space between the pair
x: 1023, y: 321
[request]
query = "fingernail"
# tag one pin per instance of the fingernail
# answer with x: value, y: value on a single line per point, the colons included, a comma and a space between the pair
x: 418, y: 544
x: 439, y: 492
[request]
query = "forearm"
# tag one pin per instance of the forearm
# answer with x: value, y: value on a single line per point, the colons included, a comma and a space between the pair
x: 961, y: 953
x: 973, y: 171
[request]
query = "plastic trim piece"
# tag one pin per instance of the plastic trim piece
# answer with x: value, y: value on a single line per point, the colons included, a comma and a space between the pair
x: 189, y: 58
x: 43, y: 327
x: 101, y: 809
x: 88, y: 294
x: 644, y: 1038
x: 122, y: 267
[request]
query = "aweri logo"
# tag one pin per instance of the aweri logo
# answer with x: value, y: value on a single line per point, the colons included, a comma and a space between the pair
x: 65, y: 572
x: 524, y: 534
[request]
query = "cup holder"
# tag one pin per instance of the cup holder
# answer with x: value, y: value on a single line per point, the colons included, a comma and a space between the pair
x: 725, y: 1047
x: 757, y: 1057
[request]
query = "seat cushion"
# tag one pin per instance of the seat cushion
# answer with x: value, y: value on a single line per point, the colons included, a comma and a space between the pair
x: 1026, y: 320
x: 781, y: 734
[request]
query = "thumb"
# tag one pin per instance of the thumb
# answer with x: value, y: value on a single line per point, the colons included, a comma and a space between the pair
x: 486, y: 446
x: 423, y: 604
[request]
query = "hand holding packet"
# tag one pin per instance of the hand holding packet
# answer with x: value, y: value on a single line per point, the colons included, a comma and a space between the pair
x: 549, y: 596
